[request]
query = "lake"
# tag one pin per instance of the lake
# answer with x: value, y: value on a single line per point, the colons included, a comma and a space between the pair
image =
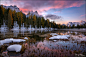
x: 39, y: 44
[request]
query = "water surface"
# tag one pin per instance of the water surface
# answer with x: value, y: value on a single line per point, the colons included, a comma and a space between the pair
x: 39, y: 44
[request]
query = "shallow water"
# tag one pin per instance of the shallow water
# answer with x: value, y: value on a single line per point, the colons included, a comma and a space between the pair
x: 39, y: 44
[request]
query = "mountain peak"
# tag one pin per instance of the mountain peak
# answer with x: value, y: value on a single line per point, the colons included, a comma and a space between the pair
x: 12, y: 8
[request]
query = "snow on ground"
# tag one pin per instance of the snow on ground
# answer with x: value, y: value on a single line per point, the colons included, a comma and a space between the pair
x: 15, y: 47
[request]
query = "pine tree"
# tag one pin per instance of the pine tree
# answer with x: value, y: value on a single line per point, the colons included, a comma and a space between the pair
x: 3, y: 9
x: 21, y: 17
x: 34, y: 20
x: 42, y: 22
x: 14, y: 15
x: 10, y: 19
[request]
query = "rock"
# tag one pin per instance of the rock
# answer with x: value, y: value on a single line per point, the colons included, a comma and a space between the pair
x: 53, y: 34
x: 5, y: 41
x: 11, y: 40
x: 80, y: 55
x: 15, y: 47
x: 26, y: 38
x: 59, y: 37
x: 18, y: 40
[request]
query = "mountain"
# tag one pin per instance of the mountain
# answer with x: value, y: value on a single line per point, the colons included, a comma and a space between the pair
x: 18, y: 10
x: 12, y: 8
x: 76, y: 23
x: 33, y: 13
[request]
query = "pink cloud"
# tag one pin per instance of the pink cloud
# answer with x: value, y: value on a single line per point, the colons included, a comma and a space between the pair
x: 42, y: 6
x: 63, y: 4
x: 14, y: 0
x: 24, y: 10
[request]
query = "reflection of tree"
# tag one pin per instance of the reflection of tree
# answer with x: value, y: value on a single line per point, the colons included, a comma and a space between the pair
x: 15, y: 32
x: 3, y: 32
x: 37, y: 38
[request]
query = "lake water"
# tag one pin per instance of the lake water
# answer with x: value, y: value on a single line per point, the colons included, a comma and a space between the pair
x: 39, y: 44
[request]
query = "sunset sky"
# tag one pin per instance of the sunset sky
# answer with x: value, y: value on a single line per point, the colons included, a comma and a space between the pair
x: 60, y: 11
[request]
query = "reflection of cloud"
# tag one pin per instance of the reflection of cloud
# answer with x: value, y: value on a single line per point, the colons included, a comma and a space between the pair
x: 45, y: 47
x: 40, y: 6
x: 51, y: 16
x: 82, y: 15
x: 68, y: 17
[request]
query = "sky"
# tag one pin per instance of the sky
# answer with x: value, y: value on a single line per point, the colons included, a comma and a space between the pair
x: 60, y: 11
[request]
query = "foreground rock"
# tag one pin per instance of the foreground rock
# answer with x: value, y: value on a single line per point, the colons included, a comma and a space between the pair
x: 11, y: 40
x: 15, y: 47
x: 18, y: 40
x: 60, y: 37
x: 5, y: 41
x: 26, y: 38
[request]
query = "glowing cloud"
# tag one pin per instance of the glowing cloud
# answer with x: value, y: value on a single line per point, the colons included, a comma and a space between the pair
x: 40, y: 6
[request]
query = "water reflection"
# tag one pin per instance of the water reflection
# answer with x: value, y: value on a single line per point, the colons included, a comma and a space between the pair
x: 39, y: 44
x: 4, y: 32
x: 16, y: 32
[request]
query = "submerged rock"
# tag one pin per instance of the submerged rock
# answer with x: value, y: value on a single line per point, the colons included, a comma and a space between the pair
x: 54, y: 40
x: 81, y: 55
x: 15, y: 47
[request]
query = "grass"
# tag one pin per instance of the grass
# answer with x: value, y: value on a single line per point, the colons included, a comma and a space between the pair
x: 32, y: 40
x: 3, y: 47
x: 83, y: 42
x: 22, y: 49
x: 70, y: 51
x: 48, y: 36
x: 27, y: 39
x: 77, y: 52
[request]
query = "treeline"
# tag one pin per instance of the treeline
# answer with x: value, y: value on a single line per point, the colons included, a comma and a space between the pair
x: 71, y: 27
x: 78, y: 26
x: 8, y: 16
